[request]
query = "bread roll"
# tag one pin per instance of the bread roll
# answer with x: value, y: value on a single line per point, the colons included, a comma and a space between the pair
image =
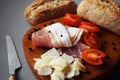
x: 43, y: 10
x: 104, y: 13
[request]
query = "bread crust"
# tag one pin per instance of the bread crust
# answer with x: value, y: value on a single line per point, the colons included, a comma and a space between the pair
x: 44, y: 10
x: 104, y: 13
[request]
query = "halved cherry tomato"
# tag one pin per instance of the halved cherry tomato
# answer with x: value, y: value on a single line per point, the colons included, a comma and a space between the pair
x: 93, y: 56
x: 89, y: 26
x: 92, y: 40
x: 71, y: 19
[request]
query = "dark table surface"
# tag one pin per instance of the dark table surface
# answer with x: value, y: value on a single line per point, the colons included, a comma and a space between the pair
x: 13, y: 22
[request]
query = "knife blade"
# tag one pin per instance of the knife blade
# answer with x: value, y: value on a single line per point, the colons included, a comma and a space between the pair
x: 13, y: 60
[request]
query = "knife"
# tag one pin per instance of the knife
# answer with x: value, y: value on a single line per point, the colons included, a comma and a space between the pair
x: 13, y: 60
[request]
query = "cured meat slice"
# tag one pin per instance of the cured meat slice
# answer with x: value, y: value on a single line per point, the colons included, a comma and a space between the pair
x: 57, y: 35
x: 75, y: 51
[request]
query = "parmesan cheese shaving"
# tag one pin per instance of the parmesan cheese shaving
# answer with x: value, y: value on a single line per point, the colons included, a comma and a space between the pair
x: 58, y: 66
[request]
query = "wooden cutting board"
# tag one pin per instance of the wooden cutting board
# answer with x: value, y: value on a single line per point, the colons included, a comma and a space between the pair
x: 110, y: 45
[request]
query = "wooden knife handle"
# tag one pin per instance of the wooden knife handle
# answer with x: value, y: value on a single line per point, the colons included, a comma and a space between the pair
x: 12, y: 77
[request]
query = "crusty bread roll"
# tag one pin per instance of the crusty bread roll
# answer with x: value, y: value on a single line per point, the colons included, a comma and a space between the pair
x: 43, y: 10
x: 104, y: 13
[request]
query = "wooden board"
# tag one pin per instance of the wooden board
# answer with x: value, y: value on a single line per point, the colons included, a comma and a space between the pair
x: 110, y: 45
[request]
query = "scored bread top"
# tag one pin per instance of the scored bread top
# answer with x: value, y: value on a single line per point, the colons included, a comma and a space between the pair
x: 39, y: 6
x: 107, y: 4
x: 43, y: 10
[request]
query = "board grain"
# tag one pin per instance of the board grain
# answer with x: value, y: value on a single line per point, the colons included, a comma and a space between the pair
x: 110, y: 45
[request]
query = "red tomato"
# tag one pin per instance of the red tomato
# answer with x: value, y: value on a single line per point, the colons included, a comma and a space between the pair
x: 93, y: 56
x: 89, y: 26
x: 92, y: 40
x: 71, y: 19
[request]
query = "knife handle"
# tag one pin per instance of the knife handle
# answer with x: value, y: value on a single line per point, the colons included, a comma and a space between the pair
x: 12, y: 77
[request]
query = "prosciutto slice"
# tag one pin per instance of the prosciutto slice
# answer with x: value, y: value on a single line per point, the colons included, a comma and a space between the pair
x: 57, y: 35
x: 75, y: 51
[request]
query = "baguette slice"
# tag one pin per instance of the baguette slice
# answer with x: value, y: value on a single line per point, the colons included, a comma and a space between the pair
x: 44, y: 10
x: 104, y: 13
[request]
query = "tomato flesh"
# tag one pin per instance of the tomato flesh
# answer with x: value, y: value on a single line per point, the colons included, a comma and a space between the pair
x: 90, y: 27
x: 93, y: 56
x: 92, y: 40
x: 71, y: 19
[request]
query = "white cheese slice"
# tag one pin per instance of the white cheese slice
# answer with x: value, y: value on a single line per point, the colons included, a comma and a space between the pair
x: 75, y: 68
x: 50, y: 55
x: 44, y: 70
x: 77, y: 64
x: 42, y: 67
x: 57, y: 75
x: 59, y: 64
x: 72, y: 72
x: 51, y: 52
x: 68, y: 58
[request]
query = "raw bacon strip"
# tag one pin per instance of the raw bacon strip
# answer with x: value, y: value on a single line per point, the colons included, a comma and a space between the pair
x: 57, y: 35
x: 75, y: 34
x: 41, y: 38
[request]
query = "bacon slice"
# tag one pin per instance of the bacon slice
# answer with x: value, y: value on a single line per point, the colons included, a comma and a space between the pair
x: 57, y: 35
x: 41, y: 38
x: 75, y: 34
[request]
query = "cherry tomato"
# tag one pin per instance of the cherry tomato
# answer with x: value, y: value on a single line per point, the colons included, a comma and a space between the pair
x: 92, y: 40
x: 93, y: 56
x: 89, y: 26
x: 71, y: 19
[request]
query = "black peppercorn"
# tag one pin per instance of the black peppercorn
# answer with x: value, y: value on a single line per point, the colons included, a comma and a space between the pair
x: 45, y: 25
x: 87, y: 72
x: 105, y: 42
x: 49, y: 31
x: 113, y: 44
x: 30, y: 49
x: 29, y: 38
x: 115, y: 49
x: 107, y: 57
